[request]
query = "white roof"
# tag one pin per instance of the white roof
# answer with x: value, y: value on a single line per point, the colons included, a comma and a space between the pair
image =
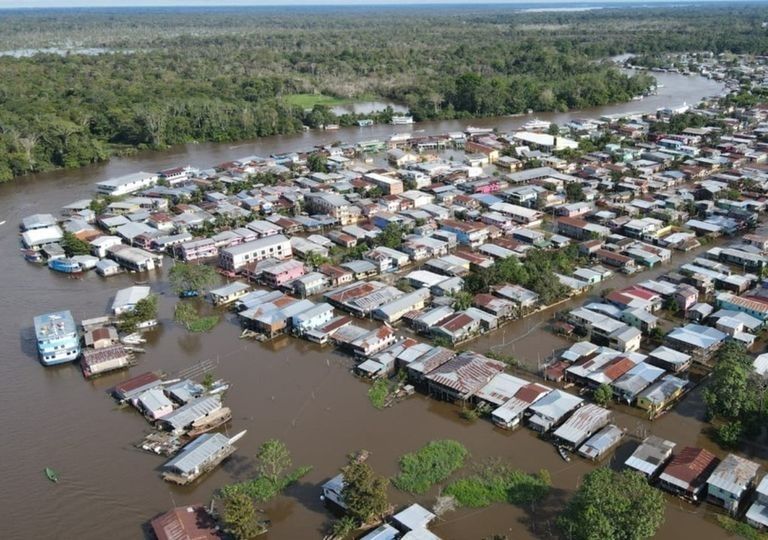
x: 414, y: 517
x: 760, y: 364
x: 733, y: 474
x: 130, y: 296
x: 556, y: 404
x: 501, y: 388
x: 651, y: 455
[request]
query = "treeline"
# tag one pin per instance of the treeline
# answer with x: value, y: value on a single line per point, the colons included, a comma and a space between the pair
x: 177, y: 76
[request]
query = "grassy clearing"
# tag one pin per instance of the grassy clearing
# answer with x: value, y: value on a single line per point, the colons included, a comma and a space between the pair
x: 204, y: 324
x: 496, y: 482
x: 378, y: 393
x: 307, y: 101
x: 433, y: 463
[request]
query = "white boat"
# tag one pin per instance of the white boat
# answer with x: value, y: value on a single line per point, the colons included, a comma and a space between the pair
x: 478, y: 131
x: 402, y: 120
x: 536, y: 125
x: 237, y: 437
x: 133, y: 339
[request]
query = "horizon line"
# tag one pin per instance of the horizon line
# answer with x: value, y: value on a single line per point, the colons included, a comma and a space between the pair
x: 105, y: 4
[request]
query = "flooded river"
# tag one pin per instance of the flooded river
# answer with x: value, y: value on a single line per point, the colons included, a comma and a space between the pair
x: 286, y: 389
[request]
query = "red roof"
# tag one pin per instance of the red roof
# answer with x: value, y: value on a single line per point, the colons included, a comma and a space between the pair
x: 136, y: 382
x: 186, y: 523
x: 618, y: 367
x: 645, y: 294
x: 531, y: 392
x: 691, y: 465
x: 456, y: 322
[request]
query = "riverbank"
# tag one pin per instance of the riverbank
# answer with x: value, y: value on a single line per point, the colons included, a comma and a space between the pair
x: 676, y: 90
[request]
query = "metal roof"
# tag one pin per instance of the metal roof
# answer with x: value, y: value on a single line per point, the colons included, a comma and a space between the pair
x: 196, y: 453
x: 555, y: 405
x: 186, y: 414
x: 601, y: 441
x: 154, y: 399
x: 501, y: 388
x: 650, y: 455
x: 637, y: 379
x: 689, y: 468
x: 734, y: 474
x: 583, y: 423
x: 130, y: 296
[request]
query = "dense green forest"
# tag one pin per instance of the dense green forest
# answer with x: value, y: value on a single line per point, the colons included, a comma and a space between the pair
x: 174, y: 76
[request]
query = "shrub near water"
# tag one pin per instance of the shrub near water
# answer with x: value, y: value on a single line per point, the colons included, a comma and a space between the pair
x: 496, y: 482
x: 431, y: 464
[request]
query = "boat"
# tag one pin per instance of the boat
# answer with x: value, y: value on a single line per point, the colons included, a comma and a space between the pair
x: 57, y: 338
x: 218, y: 387
x: 66, y: 265
x: 365, y: 122
x: 189, y: 293
x: 564, y: 454
x: 52, y: 475
x: 133, y: 339
x: 402, y: 120
x: 536, y: 125
x: 33, y: 256
x: 210, y: 422
x: 472, y: 130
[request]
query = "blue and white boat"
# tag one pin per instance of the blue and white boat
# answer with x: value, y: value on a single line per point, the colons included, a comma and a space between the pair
x: 57, y: 339
x: 73, y: 265
x: 66, y: 265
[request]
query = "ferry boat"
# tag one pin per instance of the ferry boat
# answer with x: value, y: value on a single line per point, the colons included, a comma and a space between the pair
x: 536, y: 125
x: 57, y: 339
x: 402, y: 120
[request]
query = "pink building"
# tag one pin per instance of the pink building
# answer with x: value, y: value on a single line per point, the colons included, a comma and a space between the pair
x: 278, y: 275
x: 196, y: 249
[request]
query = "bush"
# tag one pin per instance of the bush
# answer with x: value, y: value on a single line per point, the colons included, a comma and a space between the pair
x: 378, y: 393
x: 431, y: 464
x: 603, y: 394
x: 261, y: 488
x: 497, y: 482
x: 742, y: 530
x: 186, y: 315
x: 729, y: 435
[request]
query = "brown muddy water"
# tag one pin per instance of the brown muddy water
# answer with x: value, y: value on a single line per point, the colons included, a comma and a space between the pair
x: 287, y: 389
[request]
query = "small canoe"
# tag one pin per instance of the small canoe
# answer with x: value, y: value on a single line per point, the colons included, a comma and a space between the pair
x: 52, y: 475
x: 563, y: 454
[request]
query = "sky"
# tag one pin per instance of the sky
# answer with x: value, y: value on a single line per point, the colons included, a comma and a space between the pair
x: 213, y: 3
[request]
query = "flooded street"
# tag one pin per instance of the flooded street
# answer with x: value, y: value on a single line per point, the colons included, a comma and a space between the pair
x: 286, y: 389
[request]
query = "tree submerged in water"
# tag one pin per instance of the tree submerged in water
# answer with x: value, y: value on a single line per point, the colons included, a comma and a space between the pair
x: 144, y: 311
x: 613, y: 506
x: 186, y: 277
x: 186, y: 315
